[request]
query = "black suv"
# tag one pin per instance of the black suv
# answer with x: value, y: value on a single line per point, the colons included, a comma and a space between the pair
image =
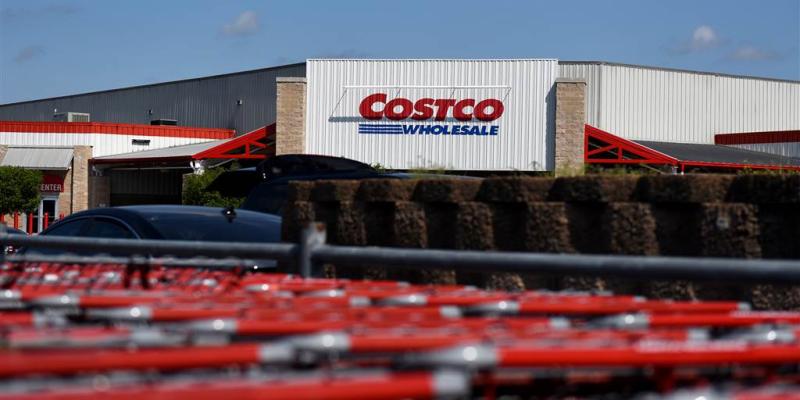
x: 266, y: 185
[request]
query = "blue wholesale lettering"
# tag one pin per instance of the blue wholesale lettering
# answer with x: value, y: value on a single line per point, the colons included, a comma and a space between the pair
x: 454, y: 130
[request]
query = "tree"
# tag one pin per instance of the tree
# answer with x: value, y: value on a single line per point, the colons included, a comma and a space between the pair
x: 19, y: 189
x: 195, y: 193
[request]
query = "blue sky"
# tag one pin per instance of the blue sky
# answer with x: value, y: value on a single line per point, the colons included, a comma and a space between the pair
x: 52, y: 48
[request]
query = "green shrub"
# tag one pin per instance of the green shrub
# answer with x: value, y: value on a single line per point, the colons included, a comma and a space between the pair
x: 19, y: 189
x: 195, y: 193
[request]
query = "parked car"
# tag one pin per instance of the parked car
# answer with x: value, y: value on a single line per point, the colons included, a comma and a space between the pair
x: 239, y: 183
x: 265, y: 186
x: 11, y: 231
x: 169, y: 222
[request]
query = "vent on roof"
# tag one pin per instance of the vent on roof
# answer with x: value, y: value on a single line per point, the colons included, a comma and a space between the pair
x: 71, y: 117
x: 170, y: 122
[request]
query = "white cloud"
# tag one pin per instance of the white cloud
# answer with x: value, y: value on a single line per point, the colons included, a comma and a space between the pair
x: 704, y: 37
x: 245, y: 24
x: 752, y: 53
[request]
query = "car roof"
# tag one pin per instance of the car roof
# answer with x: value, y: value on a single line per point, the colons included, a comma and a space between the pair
x: 355, y: 174
x: 137, y: 216
x: 147, y: 210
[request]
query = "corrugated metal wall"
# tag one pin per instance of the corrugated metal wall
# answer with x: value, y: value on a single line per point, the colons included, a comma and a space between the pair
x: 205, y: 102
x: 336, y: 88
x: 102, y: 144
x: 677, y: 106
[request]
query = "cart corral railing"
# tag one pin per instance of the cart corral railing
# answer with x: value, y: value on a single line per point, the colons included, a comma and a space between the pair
x: 28, y: 222
x: 310, y: 255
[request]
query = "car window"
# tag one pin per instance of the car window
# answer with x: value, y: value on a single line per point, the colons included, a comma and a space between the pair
x: 268, y: 198
x: 245, y: 227
x: 107, y: 228
x: 71, y: 228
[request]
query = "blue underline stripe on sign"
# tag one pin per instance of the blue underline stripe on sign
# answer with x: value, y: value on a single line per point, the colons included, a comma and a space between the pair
x: 398, y: 129
x: 380, y: 133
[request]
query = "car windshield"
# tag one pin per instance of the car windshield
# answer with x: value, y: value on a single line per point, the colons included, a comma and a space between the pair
x: 215, y: 227
x: 267, y: 198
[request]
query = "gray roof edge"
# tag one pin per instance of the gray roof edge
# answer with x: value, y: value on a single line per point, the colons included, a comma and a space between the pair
x: 688, y: 71
x: 789, y: 161
x: 610, y: 63
x: 131, y: 154
x: 159, y: 83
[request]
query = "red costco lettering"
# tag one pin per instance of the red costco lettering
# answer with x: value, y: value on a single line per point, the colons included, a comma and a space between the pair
x: 378, y: 106
x: 458, y: 111
x: 398, y: 109
x: 366, y: 109
x: 483, y: 115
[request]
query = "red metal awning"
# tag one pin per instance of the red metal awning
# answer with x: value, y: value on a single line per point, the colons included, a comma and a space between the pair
x: 258, y: 144
x: 601, y: 147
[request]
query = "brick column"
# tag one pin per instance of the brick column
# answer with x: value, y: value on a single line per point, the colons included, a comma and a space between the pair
x: 3, y: 151
x: 290, y: 122
x: 65, y: 198
x: 570, y: 120
x: 80, y: 178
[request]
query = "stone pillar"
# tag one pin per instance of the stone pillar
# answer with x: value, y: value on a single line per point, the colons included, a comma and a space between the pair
x: 570, y: 121
x: 65, y: 198
x: 290, y: 122
x: 80, y: 178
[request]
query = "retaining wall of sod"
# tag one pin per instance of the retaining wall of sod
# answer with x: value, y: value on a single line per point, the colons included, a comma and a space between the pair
x: 748, y: 216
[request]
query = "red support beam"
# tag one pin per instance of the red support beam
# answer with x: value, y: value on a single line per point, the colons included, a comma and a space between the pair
x: 610, y: 142
x: 242, y: 147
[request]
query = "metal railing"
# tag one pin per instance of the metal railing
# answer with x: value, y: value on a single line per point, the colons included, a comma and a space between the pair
x: 312, y: 253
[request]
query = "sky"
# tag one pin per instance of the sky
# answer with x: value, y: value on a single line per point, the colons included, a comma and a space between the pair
x: 54, y: 48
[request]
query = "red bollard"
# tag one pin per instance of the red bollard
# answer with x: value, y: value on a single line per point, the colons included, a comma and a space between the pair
x: 30, y: 223
x: 2, y: 219
x: 61, y: 216
x: 46, y: 220
x: 16, y: 219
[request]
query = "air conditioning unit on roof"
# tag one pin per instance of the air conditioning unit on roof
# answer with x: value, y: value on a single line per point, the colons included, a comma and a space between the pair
x: 71, y: 117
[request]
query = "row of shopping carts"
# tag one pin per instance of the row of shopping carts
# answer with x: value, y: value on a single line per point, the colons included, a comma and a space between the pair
x: 90, y: 331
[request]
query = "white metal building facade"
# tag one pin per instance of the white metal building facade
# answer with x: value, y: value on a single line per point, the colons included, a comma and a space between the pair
x: 105, y: 139
x: 646, y: 103
x: 633, y: 102
x: 456, y: 139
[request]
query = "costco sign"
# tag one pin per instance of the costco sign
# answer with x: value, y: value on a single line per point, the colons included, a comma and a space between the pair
x: 443, y: 114
x: 378, y: 106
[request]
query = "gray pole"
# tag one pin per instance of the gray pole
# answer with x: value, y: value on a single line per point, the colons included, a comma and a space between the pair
x: 311, y: 239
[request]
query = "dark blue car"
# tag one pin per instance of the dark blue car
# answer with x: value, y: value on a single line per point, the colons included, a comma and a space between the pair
x: 169, y: 222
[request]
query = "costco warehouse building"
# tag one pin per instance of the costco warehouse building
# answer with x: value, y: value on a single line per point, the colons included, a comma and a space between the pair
x: 469, y: 115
